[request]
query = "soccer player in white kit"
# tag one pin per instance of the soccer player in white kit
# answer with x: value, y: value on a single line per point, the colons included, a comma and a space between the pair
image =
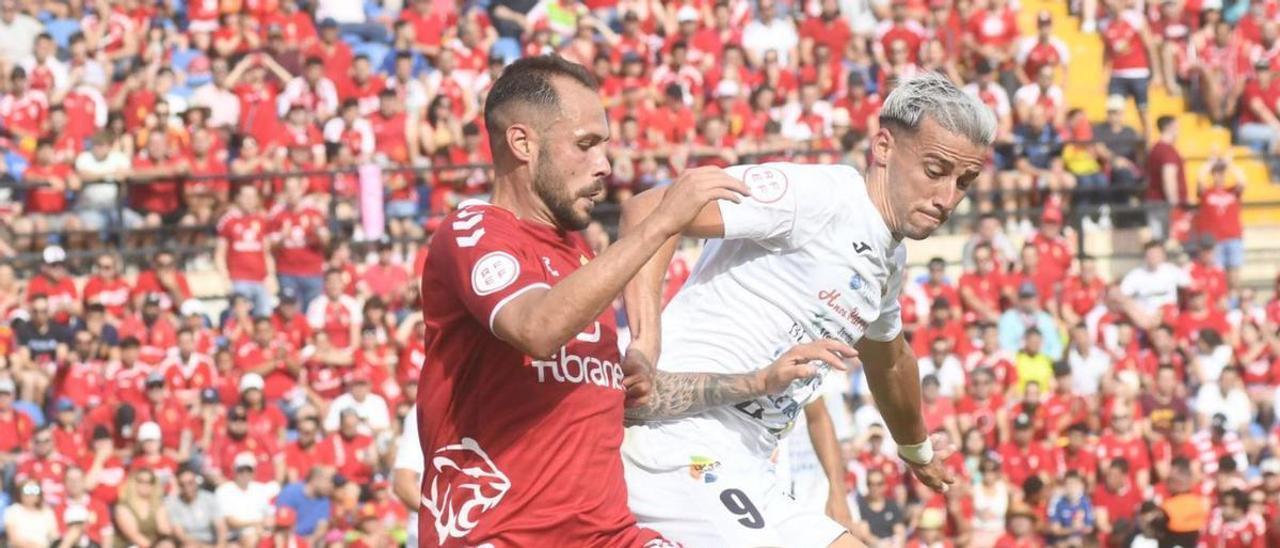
x: 814, y: 254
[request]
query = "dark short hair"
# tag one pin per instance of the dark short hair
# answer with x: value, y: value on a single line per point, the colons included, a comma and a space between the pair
x: 1163, y: 122
x: 529, y: 81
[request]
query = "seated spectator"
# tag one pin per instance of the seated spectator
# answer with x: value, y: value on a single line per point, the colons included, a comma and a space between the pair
x: 1117, y: 145
x: 1073, y: 516
x: 30, y: 523
x: 140, y: 513
x: 877, y: 517
x: 309, y: 500
x: 245, y: 503
x: 194, y: 512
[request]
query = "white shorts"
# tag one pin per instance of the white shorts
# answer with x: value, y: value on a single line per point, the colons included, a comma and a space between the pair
x: 714, y: 504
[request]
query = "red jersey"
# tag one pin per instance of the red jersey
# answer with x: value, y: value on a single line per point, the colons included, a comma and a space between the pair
x: 985, y: 287
x: 389, y: 136
x: 246, y: 237
x: 110, y: 478
x: 1219, y: 213
x: 48, y: 471
x: 46, y: 198
x: 1269, y: 95
x: 225, y: 450
x: 994, y: 29
x: 16, y: 430
x: 161, y: 196
x: 1121, y: 505
x: 297, y: 247
x: 1082, y: 295
x: 1020, y: 463
x: 60, y: 294
x: 1084, y: 460
x: 111, y: 294
x: 148, y: 284
x: 26, y: 113
x: 82, y: 382
x: 982, y: 414
x: 1247, y: 532
x: 127, y: 384
x: 258, y: 109
x: 70, y: 443
x: 351, y: 457
x: 1122, y: 40
x: 560, y: 437
x: 1055, y: 255
x: 835, y: 33
x: 953, y: 331
x: 908, y: 31
x: 1134, y: 450
x: 1190, y: 324
x: 186, y: 377
x: 299, y: 460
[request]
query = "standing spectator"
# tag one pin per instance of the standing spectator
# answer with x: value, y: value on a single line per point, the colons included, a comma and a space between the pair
x: 1166, y: 180
x: 1024, y: 316
x: 1128, y: 50
x: 1043, y: 50
x: 309, y: 501
x: 30, y: 523
x: 1155, y: 283
x: 302, y: 455
x: 298, y: 237
x: 101, y: 170
x: 1164, y: 401
x: 245, y: 503
x: 54, y: 281
x: 140, y: 512
x: 41, y: 343
x: 217, y: 96
x: 44, y: 465
x: 1219, y: 215
x: 194, y: 512
x: 1023, y: 456
x: 243, y: 254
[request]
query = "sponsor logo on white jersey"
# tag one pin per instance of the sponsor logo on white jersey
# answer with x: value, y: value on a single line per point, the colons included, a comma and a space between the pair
x: 472, y: 485
x: 831, y: 297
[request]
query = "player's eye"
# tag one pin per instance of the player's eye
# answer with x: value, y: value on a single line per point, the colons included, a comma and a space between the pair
x: 934, y: 172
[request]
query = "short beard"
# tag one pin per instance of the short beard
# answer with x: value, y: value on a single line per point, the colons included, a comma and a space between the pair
x: 549, y: 187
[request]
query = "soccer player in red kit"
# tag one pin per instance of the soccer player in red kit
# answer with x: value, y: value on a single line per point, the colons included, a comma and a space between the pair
x: 520, y: 314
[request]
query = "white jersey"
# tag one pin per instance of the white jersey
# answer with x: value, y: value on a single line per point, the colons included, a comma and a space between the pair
x: 806, y: 257
x: 409, y: 457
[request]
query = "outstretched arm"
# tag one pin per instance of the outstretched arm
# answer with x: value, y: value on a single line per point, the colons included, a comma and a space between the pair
x: 894, y: 379
x: 678, y: 395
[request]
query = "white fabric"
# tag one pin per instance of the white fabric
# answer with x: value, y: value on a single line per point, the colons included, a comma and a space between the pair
x: 342, y: 11
x: 1087, y: 371
x: 1154, y: 288
x: 806, y: 257
x: 950, y: 373
x: 814, y: 260
x: 779, y: 34
x: 315, y: 310
x: 223, y: 105
x: 90, y: 168
x: 373, y: 411
x: 1235, y: 405
x: 711, y: 506
x: 19, y: 37
x: 253, y: 503
x: 409, y: 457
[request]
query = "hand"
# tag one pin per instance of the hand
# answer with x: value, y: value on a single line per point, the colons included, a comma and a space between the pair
x: 637, y: 370
x: 838, y: 510
x: 797, y: 363
x: 693, y: 190
x: 934, y: 474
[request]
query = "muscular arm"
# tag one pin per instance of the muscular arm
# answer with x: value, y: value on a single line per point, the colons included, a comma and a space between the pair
x: 894, y: 380
x: 643, y: 295
x: 822, y: 433
x: 678, y: 395
x: 540, y: 321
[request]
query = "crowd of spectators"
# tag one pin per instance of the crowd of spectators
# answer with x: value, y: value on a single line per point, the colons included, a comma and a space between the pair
x: 131, y: 415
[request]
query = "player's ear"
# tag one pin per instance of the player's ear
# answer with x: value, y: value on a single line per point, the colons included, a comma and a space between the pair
x: 520, y: 141
x: 882, y: 144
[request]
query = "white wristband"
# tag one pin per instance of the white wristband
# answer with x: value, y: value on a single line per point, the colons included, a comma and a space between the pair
x: 919, y: 454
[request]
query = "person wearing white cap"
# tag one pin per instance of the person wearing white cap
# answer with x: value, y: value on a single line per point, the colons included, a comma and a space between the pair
x: 246, y: 504
x: 151, y: 453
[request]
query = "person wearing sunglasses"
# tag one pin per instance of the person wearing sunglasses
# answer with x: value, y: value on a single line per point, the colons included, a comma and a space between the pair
x: 30, y: 523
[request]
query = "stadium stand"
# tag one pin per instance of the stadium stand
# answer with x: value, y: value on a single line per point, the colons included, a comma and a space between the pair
x: 212, y: 213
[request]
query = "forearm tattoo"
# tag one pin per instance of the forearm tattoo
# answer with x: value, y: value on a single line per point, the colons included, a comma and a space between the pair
x: 677, y: 395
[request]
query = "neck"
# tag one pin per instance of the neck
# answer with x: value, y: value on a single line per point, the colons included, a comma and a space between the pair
x: 878, y: 191
x: 525, y: 205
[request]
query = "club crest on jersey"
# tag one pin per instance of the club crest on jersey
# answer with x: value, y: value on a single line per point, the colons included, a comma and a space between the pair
x: 767, y: 184
x: 703, y: 468
x: 494, y: 272
x: 466, y: 484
